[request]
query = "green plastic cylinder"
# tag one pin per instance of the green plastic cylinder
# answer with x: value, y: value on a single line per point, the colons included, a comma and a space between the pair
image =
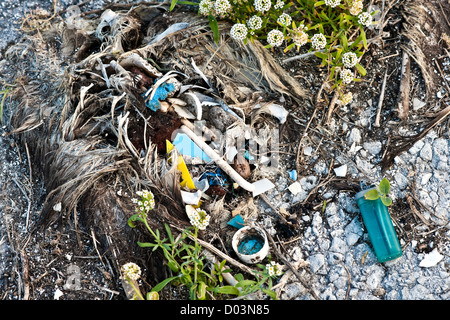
x: 379, y: 226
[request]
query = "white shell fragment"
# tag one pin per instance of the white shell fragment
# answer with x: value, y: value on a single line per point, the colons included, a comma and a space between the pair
x: 431, y: 259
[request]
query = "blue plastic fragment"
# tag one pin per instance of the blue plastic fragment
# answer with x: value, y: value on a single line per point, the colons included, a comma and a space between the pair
x: 187, y: 147
x: 293, y: 174
x: 215, y: 178
x: 250, y: 245
x: 248, y: 156
x: 237, y: 222
x: 160, y: 94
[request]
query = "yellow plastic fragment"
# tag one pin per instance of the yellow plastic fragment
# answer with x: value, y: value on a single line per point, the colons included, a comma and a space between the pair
x: 185, y: 175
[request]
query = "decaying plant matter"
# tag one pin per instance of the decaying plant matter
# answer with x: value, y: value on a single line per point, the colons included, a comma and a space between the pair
x: 426, y: 28
x: 81, y: 111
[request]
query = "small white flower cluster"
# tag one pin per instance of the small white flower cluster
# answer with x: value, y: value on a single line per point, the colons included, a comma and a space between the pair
x: 222, y: 7
x: 262, y: 5
x: 346, y: 99
x: 278, y: 5
x: 147, y: 201
x: 349, y: 59
x: 365, y: 19
x: 299, y: 37
x: 356, y: 8
x: 346, y: 76
x: 332, y: 3
x: 318, y: 41
x: 254, y: 23
x: 274, y: 269
x: 199, y: 218
x: 275, y: 38
x: 285, y: 20
x: 239, y: 31
x: 205, y: 7
x: 131, y: 270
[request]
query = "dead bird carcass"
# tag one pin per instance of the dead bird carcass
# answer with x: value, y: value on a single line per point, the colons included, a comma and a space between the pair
x: 98, y: 97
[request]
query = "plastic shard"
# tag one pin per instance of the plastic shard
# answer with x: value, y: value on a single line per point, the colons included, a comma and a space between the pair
x: 188, y: 148
x: 256, y: 188
x: 161, y: 93
x: 181, y: 165
x: 236, y: 222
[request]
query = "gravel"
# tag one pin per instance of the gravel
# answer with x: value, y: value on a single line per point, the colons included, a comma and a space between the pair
x: 334, y: 244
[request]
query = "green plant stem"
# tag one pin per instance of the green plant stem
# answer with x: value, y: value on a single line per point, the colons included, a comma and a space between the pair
x: 196, y: 255
x: 135, y: 288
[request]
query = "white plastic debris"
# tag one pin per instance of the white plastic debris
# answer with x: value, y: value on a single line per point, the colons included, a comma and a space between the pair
x: 274, y: 110
x: 341, y: 171
x: 307, y: 151
x: 262, y: 186
x: 231, y: 153
x: 279, y: 112
x: 58, y: 294
x: 418, y: 104
x: 431, y: 259
x: 57, y: 207
x: 295, y: 188
x: 191, y: 197
x: 256, y: 188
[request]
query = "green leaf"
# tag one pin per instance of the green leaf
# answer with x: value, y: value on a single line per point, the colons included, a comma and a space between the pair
x: 332, y: 71
x: 188, y: 3
x: 146, y: 244
x: 385, y: 186
x: 163, y: 283
x: 386, y: 200
x: 357, y: 41
x: 133, y: 218
x: 239, y: 277
x: 344, y: 42
x: 172, y: 4
x: 152, y: 295
x: 201, y: 290
x: 364, y: 39
x: 321, y: 55
x: 289, y: 47
x: 270, y: 293
x: 169, y: 233
x: 245, y: 283
x: 361, y: 69
x: 214, y: 27
x: 228, y: 290
x: 372, y: 195
x: 173, y: 265
x: 319, y: 3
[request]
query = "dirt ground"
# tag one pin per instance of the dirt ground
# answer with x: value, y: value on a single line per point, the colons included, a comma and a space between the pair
x: 45, y: 266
